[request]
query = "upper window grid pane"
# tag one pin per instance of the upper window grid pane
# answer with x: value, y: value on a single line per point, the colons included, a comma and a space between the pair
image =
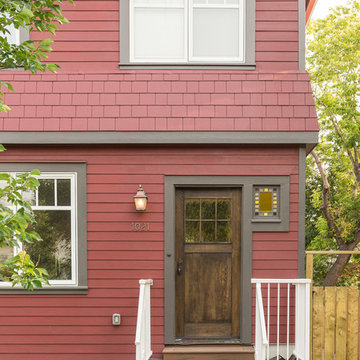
x: 188, y: 32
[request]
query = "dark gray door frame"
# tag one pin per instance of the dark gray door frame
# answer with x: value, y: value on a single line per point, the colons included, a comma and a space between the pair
x: 248, y: 226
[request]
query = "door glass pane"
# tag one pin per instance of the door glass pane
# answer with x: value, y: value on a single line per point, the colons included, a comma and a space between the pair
x: 208, y: 231
x: 216, y: 32
x: 208, y: 209
x: 192, y: 231
x: 223, y: 233
x: 46, y: 192
x: 54, y: 252
x: 63, y: 192
x: 159, y: 33
x: 192, y: 208
x: 223, y: 208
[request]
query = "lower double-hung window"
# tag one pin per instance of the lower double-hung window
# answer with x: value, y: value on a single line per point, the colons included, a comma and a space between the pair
x: 187, y: 31
x: 56, y: 208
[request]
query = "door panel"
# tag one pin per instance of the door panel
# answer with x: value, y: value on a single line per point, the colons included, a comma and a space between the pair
x: 207, y: 263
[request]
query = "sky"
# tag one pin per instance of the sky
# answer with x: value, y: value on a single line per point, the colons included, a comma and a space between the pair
x: 322, y: 7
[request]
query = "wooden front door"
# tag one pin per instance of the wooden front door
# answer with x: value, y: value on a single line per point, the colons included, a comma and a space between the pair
x: 207, y: 263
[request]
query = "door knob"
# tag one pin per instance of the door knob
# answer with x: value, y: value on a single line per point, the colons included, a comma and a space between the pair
x: 179, y: 266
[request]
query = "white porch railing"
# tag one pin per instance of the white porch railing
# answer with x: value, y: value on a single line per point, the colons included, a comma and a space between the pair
x: 263, y: 328
x: 143, y: 327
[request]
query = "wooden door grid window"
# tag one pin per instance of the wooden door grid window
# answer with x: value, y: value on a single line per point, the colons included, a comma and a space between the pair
x: 208, y: 220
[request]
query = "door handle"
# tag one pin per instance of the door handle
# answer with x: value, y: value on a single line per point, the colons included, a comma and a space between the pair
x: 180, y: 266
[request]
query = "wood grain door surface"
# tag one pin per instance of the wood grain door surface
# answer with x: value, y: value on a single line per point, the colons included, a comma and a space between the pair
x: 207, y: 263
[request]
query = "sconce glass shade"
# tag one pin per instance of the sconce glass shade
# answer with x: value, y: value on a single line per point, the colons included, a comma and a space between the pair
x: 140, y: 199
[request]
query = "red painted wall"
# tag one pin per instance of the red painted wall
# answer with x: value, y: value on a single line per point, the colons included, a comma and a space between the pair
x: 91, y: 41
x: 78, y: 327
x: 161, y: 100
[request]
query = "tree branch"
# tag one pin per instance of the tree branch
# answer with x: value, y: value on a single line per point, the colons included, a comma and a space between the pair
x: 325, y: 200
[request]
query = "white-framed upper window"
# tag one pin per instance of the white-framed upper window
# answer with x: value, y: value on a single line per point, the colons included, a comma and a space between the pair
x: 55, y: 207
x: 187, y: 31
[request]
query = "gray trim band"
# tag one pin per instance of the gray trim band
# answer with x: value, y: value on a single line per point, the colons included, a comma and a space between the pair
x: 53, y: 290
x: 246, y: 183
x: 80, y: 169
x: 159, y: 137
x: 301, y: 34
x: 301, y: 213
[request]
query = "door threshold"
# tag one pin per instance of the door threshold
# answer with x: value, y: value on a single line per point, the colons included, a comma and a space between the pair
x: 208, y: 341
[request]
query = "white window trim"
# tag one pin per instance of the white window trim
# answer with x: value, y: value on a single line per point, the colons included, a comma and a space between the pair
x: 74, y: 226
x: 188, y: 26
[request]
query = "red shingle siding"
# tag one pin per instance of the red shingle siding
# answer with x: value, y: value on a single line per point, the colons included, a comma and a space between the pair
x: 78, y: 327
x: 91, y: 41
x: 158, y: 100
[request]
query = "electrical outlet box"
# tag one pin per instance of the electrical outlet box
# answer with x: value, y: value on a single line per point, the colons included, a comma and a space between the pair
x: 116, y: 319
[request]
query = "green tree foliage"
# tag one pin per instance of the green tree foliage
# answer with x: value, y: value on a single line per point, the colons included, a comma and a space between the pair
x: 333, y: 206
x: 40, y: 15
x: 16, y: 215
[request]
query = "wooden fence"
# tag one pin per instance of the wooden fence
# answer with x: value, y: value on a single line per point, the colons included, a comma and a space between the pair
x: 335, y: 324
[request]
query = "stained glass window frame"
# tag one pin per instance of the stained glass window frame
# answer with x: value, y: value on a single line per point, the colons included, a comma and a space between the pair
x: 266, y: 215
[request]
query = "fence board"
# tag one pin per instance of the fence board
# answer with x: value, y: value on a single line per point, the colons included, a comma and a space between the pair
x: 341, y: 333
x: 318, y: 322
x: 329, y: 323
x: 353, y: 325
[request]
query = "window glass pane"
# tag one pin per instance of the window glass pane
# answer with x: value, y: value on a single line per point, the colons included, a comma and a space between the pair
x: 216, y: 32
x: 224, y: 208
x: 54, y: 226
x: 160, y: 2
x: 3, y: 200
x: 30, y: 196
x: 63, y: 192
x: 232, y: 2
x: 223, y: 233
x: 159, y: 33
x: 217, y: 2
x: 208, y: 231
x: 266, y: 201
x: 192, y: 231
x: 46, y: 192
x: 6, y: 252
x: 207, y: 208
x: 192, y: 208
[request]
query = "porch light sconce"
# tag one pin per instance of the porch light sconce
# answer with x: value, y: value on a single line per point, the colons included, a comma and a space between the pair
x: 140, y: 199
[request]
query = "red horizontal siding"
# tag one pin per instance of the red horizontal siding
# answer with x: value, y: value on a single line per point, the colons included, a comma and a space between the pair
x: 91, y: 41
x: 78, y: 327
x: 153, y: 100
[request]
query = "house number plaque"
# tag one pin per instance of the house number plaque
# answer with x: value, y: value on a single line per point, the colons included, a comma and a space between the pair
x: 140, y: 226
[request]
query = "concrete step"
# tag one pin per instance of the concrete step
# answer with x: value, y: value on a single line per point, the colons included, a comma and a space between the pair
x: 209, y: 352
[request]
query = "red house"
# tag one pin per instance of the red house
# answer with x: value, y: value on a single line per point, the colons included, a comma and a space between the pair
x: 207, y: 105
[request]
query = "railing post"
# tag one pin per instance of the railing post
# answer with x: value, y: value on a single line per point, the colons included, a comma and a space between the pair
x: 302, y: 321
x: 143, y: 327
x: 310, y: 275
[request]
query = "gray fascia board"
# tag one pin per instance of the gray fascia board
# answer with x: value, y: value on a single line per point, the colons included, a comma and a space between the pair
x: 301, y: 213
x: 159, y: 137
x: 301, y: 34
